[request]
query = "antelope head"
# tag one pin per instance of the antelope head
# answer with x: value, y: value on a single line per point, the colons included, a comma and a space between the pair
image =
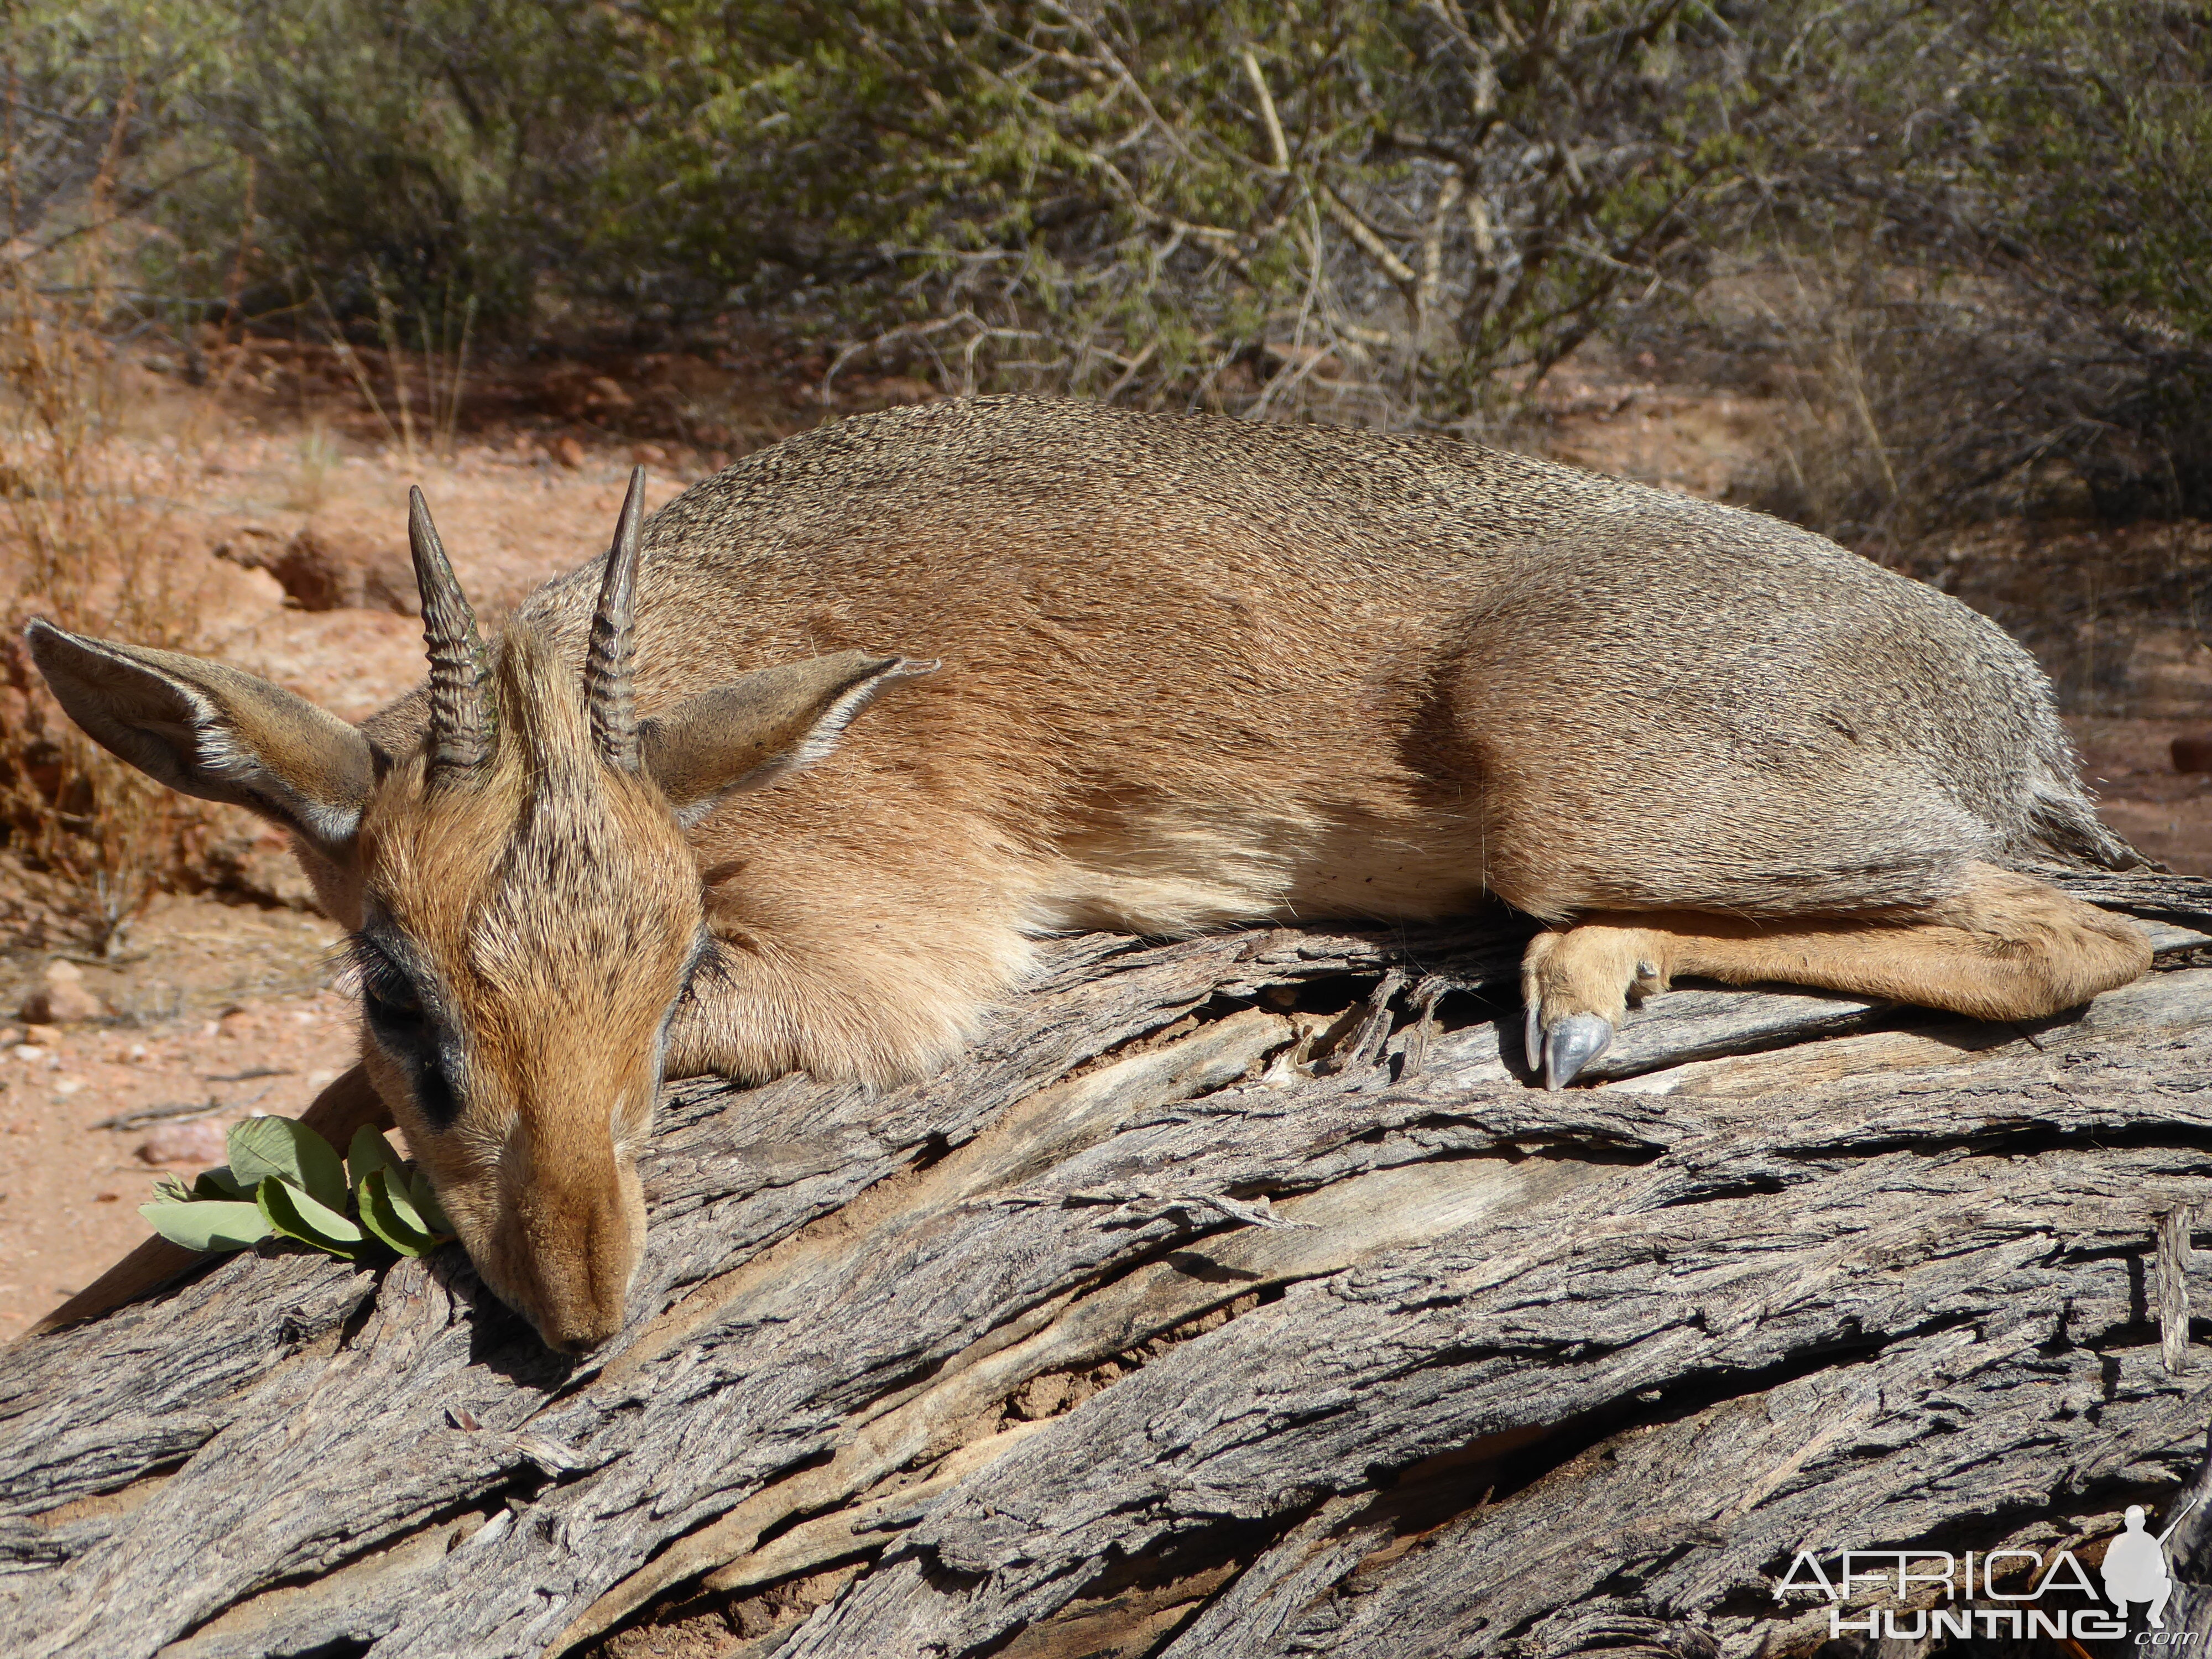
x: 525, y: 905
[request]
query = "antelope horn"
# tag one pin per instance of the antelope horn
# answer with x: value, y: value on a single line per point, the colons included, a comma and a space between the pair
x: 461, y: 704
x: 607, y: 687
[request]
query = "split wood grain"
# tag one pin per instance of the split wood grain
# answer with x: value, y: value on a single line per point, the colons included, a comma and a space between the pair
x: 1388, y: 1353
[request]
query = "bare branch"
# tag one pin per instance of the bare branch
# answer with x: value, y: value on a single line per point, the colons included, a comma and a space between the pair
x: 1276, y: 145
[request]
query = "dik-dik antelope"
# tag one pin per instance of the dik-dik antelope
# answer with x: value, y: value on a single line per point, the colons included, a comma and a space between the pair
x: 796, y: 776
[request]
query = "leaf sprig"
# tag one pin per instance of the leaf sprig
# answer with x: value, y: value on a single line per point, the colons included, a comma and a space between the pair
x: 286, y: 1180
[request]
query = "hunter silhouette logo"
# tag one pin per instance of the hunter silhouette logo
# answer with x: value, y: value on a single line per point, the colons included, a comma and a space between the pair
x: 2019, y: 1594
x: 2135, y: 1565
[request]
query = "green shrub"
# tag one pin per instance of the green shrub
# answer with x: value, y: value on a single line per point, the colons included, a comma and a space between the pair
x: 1388, y: 210
x: 1391, y: 209
x: 1385, y: 209
x: 2042, y: 170
x: 422, y: 150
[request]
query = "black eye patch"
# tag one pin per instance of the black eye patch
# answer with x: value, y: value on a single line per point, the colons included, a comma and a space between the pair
x: 435, y: 1094
x: 404, y: 1029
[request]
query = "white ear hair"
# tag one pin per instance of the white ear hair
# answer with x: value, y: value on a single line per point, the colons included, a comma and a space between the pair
x: 213, y: 732
x: 760, y: 729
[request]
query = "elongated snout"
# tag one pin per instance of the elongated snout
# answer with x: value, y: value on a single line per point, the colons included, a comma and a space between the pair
x: 566, y: 1247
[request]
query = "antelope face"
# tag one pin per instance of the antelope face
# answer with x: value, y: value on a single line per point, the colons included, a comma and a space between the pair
x: 525, y: 905
x: 525, y: 937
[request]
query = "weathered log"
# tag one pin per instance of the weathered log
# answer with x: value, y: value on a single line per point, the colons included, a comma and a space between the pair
x: 1235, y: 1297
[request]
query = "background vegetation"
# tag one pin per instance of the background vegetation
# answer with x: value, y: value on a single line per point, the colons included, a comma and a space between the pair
x: 1402, y: 211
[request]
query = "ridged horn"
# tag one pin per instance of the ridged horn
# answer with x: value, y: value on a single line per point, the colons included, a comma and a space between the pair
x: 607, y: 687
x: 460, y: 675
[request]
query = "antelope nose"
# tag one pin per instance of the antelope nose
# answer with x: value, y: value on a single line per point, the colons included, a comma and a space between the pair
x: 576, y: 1238
x: 588, y: 1317
x: 577, y: 1306
x: 580, y: 1342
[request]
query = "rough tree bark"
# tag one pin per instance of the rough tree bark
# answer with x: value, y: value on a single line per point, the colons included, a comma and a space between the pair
x: 1236, y: 1298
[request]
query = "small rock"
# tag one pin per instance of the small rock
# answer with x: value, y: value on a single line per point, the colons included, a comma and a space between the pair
x: 1042, y: 1396
x: 29, y: 1053
x: 569, y: 453
x: 2193, y: 753
x: 66, y: 1086
x: 45, y: 1035
x: 330, y: 568
x: 257, y: 862
x: 200, y: 1143
x: 62, y: 998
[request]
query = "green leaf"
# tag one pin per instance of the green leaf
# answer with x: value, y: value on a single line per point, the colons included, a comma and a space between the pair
x: 427, y: 1204
x: 381, y: 1213
x: 369, y: 1152
x: 404, y: 1205
x: 208, y: 1225
x: 298, y: 1215
x: 219, y: 1183
x: 264, y: 1146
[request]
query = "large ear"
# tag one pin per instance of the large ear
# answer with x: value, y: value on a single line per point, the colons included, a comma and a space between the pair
x: 213, y: 732
x: 761, y: 728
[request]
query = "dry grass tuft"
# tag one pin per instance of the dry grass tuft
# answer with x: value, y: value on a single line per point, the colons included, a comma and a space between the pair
x: 87, y: 841
x: 1859, y: 453
x: 318, y: 454
x: 1919, y: 402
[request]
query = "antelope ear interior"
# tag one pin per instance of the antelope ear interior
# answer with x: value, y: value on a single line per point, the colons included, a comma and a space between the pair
x: 213, y: 732
x: 762, y: 727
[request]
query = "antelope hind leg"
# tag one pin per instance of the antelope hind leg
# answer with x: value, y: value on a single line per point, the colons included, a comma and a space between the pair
x: 2006, y: 947
x: 1575, y: 983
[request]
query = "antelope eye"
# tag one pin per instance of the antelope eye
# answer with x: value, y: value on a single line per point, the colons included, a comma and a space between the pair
x: 705, y: 968
x: 404, y: 1029
x: 389, y: 995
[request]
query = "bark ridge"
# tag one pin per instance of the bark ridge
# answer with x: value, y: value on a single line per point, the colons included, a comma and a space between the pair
x: 1236, y: 1298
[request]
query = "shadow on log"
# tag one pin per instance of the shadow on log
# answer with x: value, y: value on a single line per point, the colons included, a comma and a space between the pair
x: 1238, y: 1297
